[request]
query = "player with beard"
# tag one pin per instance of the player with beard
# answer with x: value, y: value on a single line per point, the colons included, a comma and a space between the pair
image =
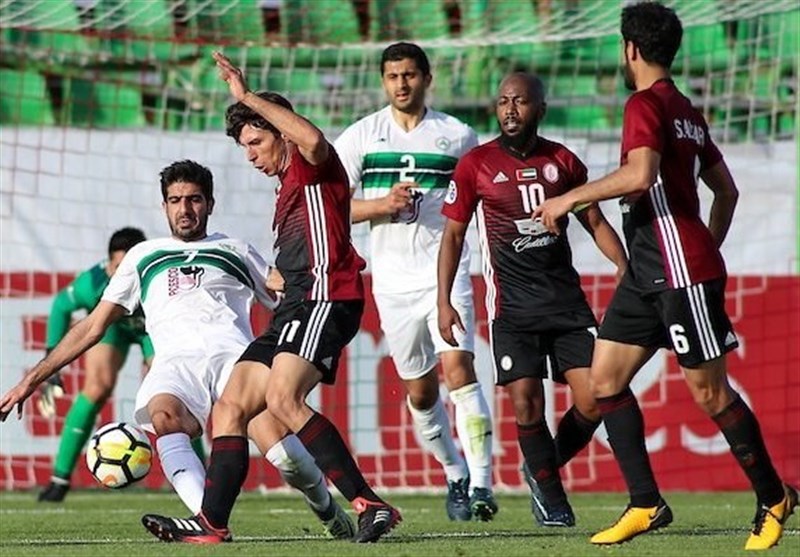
x: 318, y: 316
x: 196, y: 290
x: 673, y: 294
x: 401, y: 158
x: 538, y: 314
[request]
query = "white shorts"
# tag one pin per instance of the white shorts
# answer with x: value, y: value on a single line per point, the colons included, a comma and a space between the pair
x: 197, y: 380
x: 410, y: 324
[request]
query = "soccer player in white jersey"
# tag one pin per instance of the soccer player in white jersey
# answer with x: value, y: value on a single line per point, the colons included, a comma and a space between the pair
x: 402, y: 157
x: 196, y: 291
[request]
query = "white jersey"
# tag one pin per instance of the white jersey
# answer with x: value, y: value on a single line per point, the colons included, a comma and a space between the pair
x: 377, y: 153
x: 196, y: 296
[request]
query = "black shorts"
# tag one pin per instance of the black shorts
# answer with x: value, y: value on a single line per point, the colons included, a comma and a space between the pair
x: 564, y: 340
x: 691, y: 321
x: 315, y: 331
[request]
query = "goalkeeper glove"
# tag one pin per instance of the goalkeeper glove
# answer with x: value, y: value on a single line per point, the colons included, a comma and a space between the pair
x: 49, y: 391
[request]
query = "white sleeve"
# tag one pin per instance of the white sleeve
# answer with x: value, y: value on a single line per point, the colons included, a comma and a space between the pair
x: 350, y: 151
x: 258, y: 269
x: 124, y: 288
x: 470, y: 142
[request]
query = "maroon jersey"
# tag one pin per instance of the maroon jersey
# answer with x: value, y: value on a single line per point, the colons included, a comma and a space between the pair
x: 668, y: 244
x: 528, y: 271
x: 312, y: 232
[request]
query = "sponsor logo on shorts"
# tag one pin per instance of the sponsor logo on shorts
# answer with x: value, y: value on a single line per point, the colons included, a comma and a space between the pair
x: 730, y: 339
x: 506, y: 362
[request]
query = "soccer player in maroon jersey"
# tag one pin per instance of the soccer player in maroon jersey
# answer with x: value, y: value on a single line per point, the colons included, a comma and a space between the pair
x: 319, y: 314
x: 673, y: 292
x: 537, y: 310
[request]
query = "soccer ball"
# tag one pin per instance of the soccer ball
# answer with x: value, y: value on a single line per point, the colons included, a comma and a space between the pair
x: 118, y: 455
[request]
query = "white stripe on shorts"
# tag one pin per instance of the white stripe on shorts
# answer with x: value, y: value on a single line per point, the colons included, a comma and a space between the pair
x: 702, y: 322
x: 316, y: 324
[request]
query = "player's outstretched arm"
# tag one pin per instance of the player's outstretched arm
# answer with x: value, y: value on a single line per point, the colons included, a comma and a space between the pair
x: 449, y: 256
x: 309, y: 139
x: 605, y: 237
x: 85, y: 334
x: 398, y: 198
x: 719, y: 180
x: 631, y: 179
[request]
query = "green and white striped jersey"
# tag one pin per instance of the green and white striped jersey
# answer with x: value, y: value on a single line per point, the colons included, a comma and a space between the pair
x: 377, y: 153
x: 196, y: 295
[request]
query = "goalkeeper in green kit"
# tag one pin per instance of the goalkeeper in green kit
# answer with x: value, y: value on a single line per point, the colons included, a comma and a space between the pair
x: 102, y: 362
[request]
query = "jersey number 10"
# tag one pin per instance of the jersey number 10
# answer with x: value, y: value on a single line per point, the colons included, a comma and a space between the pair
x: 532, y: 196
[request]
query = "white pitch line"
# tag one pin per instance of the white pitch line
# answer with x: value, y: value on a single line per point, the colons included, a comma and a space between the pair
x: 255, y: 539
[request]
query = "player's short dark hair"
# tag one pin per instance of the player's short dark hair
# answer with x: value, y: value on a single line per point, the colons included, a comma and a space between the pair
x: 238, y: 115
x: 654, y: 29
x: 188, y: 171
x: 401, y: 51
x: 124, y: 239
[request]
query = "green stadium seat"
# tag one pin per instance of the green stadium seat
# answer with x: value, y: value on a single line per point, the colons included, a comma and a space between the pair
x: 330, y: 21
x: 392, y: 20
x: 573, y: 103
x: 54, y: 30
x: 704, y: 49
x: 115, y: 102
x: 783, y: 37
x: 25, y: 99
x: 602, y: 53
x: 142, y: 31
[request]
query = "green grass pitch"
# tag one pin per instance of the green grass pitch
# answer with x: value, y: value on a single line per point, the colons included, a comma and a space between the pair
x: 107, y: 523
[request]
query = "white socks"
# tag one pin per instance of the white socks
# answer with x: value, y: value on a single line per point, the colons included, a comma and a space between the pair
x: 474, y: 427
x: 298, y: 469
x: 433, y: 427
x: 182, y: 468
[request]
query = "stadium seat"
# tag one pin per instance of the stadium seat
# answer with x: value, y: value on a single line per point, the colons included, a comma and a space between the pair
x: 141, y: 31
x: 25, y: 99
x: 50, y: 29
x: 392, y: 20
x: 783, y: 37
x: 704, y: 47
x: 574, y: 103
x: 114, y: 102
x: 601, y: 53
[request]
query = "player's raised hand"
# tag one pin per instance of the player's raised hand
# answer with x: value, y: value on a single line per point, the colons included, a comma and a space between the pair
x: 399, y: 197
x: 232, y: 75
x: 449, y: 318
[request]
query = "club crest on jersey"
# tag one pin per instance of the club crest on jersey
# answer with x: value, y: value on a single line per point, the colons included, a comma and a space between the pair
x: 443, y: 143
x: 411, y: 213
x: 183, y: 279
x: 550, y: 172
x: 452, y: 193
x: 524, y: 174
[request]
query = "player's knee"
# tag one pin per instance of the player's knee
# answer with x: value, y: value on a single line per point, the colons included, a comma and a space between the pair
x: 527, y: 410
x: 283, y: 406
x: 460, y: 375
x: 229, y: 418
x: 602, y: 385
x: 711, y: 398
x: 166, y: 422
x: 98, y: 393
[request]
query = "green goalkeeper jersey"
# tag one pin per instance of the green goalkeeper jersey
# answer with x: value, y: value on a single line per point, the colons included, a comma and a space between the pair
x: 84, y: 293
